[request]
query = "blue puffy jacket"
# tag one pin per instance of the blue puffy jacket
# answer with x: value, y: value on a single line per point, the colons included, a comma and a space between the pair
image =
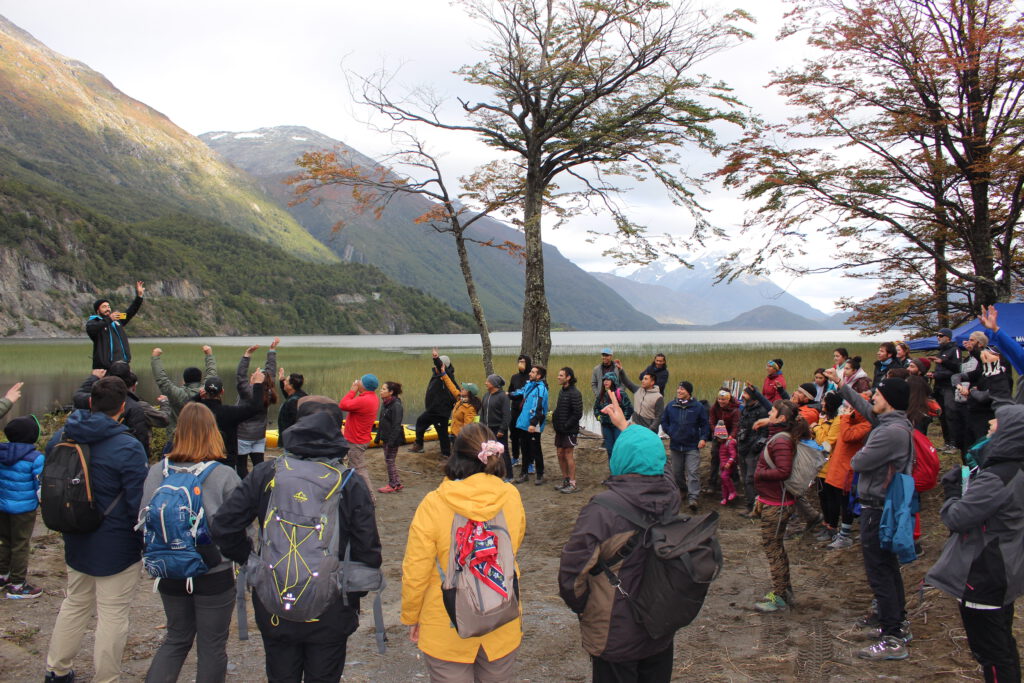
x: 535, y: 406
x: 20, y: 467
x: 686, y: 424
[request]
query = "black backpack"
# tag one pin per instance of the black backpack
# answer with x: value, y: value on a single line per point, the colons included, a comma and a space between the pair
x: 682, y: 558
x: 66, y: 495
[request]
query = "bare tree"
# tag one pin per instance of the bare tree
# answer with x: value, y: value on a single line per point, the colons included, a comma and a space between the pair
x: 587, y: 91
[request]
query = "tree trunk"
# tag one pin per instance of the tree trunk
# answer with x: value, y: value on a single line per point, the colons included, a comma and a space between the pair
x: 474, y: 301
x: 941, y: 284
x: 536, y: 341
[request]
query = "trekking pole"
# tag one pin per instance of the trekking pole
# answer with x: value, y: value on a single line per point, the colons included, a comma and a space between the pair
x: 243, y: 624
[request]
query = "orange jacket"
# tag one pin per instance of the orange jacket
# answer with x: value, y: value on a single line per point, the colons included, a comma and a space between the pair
x: 853, y: 432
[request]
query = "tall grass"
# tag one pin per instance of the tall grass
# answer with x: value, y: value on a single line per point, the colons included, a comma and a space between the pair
x: 57, y: 368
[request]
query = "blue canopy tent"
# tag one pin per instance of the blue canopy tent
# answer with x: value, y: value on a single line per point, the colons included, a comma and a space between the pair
x: 1011, y: 321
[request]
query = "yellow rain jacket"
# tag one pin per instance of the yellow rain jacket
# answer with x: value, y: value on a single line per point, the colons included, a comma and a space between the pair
x: 479, y: 497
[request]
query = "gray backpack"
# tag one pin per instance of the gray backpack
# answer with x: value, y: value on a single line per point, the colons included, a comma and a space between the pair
x: 481, y: 588
x: 296, y: 572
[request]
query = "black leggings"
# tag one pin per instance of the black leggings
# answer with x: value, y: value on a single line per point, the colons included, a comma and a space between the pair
x: 242, y: 465
x: 835, y: 505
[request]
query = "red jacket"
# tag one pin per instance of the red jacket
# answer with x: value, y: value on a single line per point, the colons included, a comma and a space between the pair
x: 730, y: 415
x: 362, y: 411
x: 769, y: 391
x: 769, y: 481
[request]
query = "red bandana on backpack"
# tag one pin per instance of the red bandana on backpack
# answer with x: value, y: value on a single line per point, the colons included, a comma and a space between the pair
x: 478, y: 551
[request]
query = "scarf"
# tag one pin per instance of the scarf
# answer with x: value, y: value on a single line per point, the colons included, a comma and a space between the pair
x: 477, y: 547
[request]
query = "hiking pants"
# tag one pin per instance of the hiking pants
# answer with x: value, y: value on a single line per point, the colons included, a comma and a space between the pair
x: 15, y: 539
x: 515, y: 439
x: 686, y: 472
x: 356, y: 458
x: 312, y: 652
x: 440, y: 424
x: 204, y: 619
x: 481, y: 671
x: 610, y: 433
x: 532, y: 453
x: 654, y: 669
x: 883, y: 572
x: 110, y: 597
x: 774, y: 519
x: 748, y: 464
x: 944, y: 397
x: 990, y: 637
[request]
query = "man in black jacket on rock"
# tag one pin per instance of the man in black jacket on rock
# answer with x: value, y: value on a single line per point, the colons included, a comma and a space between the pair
x: 313, y: 649
x: 566, y: 422
x: 106, y: 330
x: 438, y: 404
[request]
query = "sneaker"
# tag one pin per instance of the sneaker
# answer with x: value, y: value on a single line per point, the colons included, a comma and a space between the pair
x: 870, y: 619
x: 724, y: 501
x: 824, y: 534
x: 390, y: 489
x: 693, y: 505
x: 23, y: 591
x: 521, y: 479
x: 771, y: 603
x: 531, y: 468
x: 416, y: 448
x: 569, y: 488
x: 886, y: 648
x: 875, y: 633
x: 748, y: 514
x: 3, y: 582
x: 540, y: 481
x: 840, y: 542
x: 515, y: 461
x: 565, y: 482
x: 51, y: 677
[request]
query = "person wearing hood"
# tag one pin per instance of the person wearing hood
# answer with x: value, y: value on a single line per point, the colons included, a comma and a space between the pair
x: 620, y: 649
x: 178, y: 396
x: 515, y: 383
x: 106, y: 330
x: 496, y: 413
x: 314, y: 649
x: 774, y: 387
x: 134, y: 413
x: 610, y: 391
x: 531, y: 423
x: 474, y: 488
x: 982, y: 563
x: 438, y: 404
x: 104, y: 566
x: 21, y: 466
x: 685, y: 420
x: 659, y: 369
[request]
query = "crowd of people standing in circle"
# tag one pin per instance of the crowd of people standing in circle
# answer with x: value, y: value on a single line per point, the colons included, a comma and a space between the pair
x: 859, y: 416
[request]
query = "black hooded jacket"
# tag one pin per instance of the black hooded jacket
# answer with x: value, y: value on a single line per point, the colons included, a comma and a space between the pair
x: 316, y: 435
x: 517, y: 382
x: 438, y: 401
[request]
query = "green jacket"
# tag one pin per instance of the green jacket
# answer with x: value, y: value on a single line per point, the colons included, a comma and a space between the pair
x: 178, y: 396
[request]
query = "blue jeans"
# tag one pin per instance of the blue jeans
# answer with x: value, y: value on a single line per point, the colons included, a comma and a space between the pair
x: 610, y: 433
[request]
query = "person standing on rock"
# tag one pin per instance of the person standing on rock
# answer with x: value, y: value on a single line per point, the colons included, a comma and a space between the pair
x: 106, y: 330
x: 438, y: 404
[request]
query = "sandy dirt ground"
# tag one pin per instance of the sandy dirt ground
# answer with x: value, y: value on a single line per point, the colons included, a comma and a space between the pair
x: 729, y: 641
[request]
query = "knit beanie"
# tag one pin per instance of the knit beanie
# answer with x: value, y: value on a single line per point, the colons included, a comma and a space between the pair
x: 445, y: 361
x: 369, y: 382
x: 688, y: 386
x: 923, y: 365
x: 809, y: 388
x: 496, y: 380
x: 638, y: 450
x: 99, y: 302
x: 777, y: 362
x: 23, y: 429
x: 720, y: 430
x: 192, y: 375
x: 896, y: 392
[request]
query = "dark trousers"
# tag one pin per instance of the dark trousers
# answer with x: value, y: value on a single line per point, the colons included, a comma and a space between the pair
x: 515, y: 439
x: 944, y: 397
x: 532, y: 452
x: 313, y: 652
x: 506, y: 456
x: 990, y: 637
x: 15, y: 539
x: 242, y: 464
x: 654, y: 669
x: 748, y: 463
x: 204, y: 619
x: 958, y: 420
x: 440, y: 424
x: 835, y: 506
x: 883, y: 572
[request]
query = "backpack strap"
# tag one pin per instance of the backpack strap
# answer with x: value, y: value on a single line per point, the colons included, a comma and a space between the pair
x: 629, y: 514
x: 378, y: 605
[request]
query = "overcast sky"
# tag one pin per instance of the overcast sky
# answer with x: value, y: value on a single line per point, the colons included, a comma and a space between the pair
x: 238, y: 65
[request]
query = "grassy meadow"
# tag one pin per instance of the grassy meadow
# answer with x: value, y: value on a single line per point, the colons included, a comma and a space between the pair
x: 55, y: 369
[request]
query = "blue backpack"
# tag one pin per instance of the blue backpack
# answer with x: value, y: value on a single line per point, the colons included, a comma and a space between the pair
x: 174, y: 523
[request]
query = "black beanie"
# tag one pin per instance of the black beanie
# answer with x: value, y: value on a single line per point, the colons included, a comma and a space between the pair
x: 809, y: 388
x: 777, y: 362
x: 22, y: 430
x: 192, y: 375
x: 687, y: 386
x: 99, y: 302
x: 896, y: 392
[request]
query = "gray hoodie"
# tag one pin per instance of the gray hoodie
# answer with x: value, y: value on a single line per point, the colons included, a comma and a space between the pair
x: 983, y: 560
x: 890, y: 443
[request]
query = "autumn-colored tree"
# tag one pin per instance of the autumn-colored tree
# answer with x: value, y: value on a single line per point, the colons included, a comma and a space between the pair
x: 906, y: 155
x: 585, y: 91
x: 372, y: 188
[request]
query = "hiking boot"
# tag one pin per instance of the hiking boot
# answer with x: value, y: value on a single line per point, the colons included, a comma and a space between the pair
x: 886, y: 648
x: 825, y: 534
x: 771, y: 603
x: 390, y: 489
x: 692, y: 505
x: 875, y: 633
x: 565, y: 482
x: 569, y: 488
x: 23, y: 591
x: 748, y: 514
x: 540, y: 481
x: 869, y: 619
x: 51, y: 677
x: 521, y: 479
x: 416, y: 448
x: 840, y: 542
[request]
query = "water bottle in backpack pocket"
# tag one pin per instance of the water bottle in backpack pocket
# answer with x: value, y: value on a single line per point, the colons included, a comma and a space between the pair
x: 174, y: 524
